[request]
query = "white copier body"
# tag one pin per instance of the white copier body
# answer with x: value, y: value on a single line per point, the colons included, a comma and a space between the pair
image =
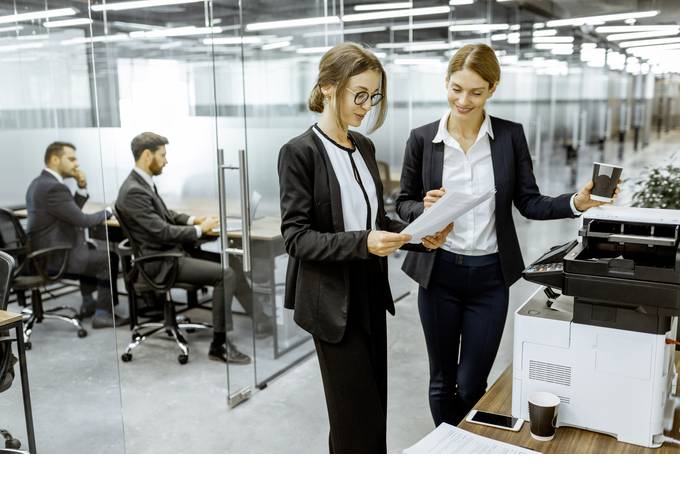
x: 613, y: 381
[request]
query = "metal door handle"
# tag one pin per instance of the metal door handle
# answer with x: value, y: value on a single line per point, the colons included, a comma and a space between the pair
x: 220, y: 167
x: 245, y: 210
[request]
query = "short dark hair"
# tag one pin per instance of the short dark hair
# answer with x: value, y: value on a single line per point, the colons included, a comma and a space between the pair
x: 56, y: 148
x: 146, y: 141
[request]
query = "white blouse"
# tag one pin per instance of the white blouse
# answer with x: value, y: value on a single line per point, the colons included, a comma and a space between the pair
x: 470, y: 173
x: 358, y: 194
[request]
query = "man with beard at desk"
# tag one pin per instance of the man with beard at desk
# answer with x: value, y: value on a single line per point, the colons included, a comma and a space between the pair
x: 55, y: 217
x: 157, y: 229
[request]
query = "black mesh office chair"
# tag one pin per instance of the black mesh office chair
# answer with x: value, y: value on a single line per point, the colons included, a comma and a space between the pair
x: 31, y: 274
x: 138, y: 282
x: 7, y: 358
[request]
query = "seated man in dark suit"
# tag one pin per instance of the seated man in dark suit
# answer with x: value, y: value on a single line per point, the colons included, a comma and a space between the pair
x: 157, y: 229
x: 55, y: 217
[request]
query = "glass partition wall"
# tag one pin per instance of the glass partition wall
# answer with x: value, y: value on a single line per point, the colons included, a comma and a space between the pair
x: 162, y: 63
x: 226, y: 82
x: 50, y: 91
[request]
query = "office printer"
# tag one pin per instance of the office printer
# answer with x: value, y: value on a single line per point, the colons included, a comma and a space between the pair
x: 601, y: 332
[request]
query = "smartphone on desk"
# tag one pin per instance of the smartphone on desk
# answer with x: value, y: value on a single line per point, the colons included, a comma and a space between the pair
x: 494, y: 420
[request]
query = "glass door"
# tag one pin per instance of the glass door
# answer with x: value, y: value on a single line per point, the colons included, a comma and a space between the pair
x: 156, y: 72
x: 227, y: 105
x: 264, y: 96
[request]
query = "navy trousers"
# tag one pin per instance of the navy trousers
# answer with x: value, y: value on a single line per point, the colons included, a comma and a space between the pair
x: 463, y: 313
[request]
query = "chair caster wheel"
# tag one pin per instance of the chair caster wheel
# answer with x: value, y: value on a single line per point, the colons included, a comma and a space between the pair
x: 127, y: 357
x: 182, y: 359
x: 12, y: 444
x: 81, y: 333
x: 27, y: 345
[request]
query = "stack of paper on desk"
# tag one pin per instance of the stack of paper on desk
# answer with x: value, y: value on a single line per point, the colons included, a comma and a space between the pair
x: 447, y: 439
x: 448, y: 208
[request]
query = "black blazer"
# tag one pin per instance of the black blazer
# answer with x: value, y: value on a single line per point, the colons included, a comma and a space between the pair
x: 151, y: 225
x: 55, y: 217
x: 514, y: 183
x: 312, y: 225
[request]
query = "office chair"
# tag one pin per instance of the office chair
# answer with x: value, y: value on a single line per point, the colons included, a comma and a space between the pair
x: 31, y: 274
x: 390, y: 190
x: 139, y: 282
x: 7, y: 358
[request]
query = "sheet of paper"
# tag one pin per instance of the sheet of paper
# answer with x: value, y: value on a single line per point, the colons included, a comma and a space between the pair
x: 563, y: 303
x: 448, y: 208
x: 447, y: 439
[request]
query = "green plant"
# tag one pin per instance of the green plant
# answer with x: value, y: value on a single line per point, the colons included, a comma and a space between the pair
x: 659, y: 188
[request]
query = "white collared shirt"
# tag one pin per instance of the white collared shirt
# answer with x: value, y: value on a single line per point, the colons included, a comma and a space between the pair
x: 58, y: 177
x: 474, y: 233
x: 150, y: 180
x: 55, y: 174
x: 470, y: 173
x: 147, y: 178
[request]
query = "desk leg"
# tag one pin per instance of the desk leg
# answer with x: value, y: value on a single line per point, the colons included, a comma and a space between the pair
x: 26, y: 396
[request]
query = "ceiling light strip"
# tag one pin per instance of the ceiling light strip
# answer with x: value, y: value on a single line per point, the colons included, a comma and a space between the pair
x: 383, y: 6
x: 139, y: 4
x: 41, y: 14
x: 282, y: 24
x: 595, y: 19
x: 390, y: 14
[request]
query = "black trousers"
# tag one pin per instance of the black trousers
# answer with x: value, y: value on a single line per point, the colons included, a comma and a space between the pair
x: 92, y: 268
x: 463, y: 314
x: 354, y: 375
x: 232, y: 283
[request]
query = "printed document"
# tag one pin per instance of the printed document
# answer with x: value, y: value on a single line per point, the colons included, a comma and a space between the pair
x: 447, y: 439
x: 448, y: 208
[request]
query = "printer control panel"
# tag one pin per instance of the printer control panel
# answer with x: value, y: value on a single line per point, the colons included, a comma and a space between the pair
x: 548, y: 269
x: 542, y: 268
x: 549, y: 274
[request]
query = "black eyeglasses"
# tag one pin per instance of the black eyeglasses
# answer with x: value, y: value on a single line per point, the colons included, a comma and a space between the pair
x: 360, y: 98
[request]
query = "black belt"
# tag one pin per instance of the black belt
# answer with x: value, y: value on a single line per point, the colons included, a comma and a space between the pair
x: 468, y: 260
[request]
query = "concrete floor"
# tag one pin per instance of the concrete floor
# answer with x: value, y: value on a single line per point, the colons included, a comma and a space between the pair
x: 85, y: 400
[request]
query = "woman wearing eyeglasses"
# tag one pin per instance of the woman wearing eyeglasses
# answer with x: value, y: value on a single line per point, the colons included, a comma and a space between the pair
x: 338, y: 237
x: 464, y: 286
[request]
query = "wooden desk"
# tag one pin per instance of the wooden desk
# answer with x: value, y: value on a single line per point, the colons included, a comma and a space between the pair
x: 267, y: 228
x: 568, y: 440
x: 8, y: 322
x: 89, y: 207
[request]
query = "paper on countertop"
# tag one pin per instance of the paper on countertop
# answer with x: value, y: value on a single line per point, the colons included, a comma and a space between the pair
x: 447, y: 439
x: 447, y: 209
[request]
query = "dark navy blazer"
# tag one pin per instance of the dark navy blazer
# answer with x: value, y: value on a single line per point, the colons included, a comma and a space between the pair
x: 55, y: 217
x: 514, y: 183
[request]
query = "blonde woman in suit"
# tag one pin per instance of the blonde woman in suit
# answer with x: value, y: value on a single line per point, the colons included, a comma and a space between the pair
x: 464, y: 285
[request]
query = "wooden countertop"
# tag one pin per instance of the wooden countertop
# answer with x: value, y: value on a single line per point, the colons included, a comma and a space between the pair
x: 568, y: 440
x: 8, y: 317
